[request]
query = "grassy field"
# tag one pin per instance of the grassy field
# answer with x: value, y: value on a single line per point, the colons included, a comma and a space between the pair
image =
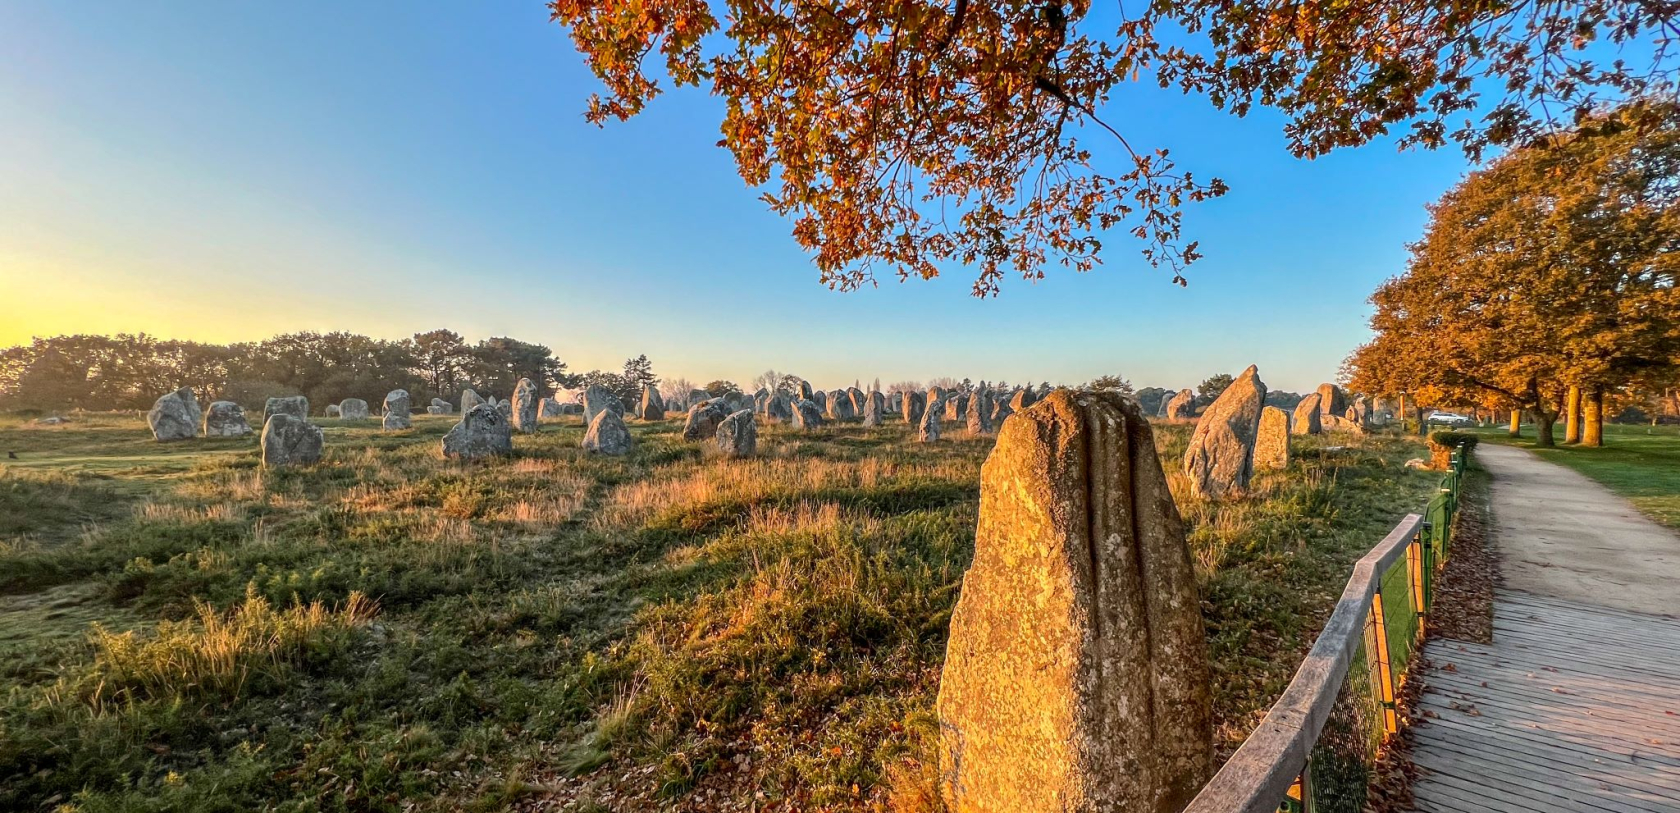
x: 180, y: 630
x: 1641, y: 463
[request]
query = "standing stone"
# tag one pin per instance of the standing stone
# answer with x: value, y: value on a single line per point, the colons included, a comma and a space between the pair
x: 806, y: 415
x: 979, y: 414
x: 696, y: 396
x: 1076, y: 679
x: 956, y: 407
x: 598, y: 398
x: 840, y: 406
x: 1331, y: 400
x: 607, y: 434
x: 288, y: 440
x: 1001, y: 412
x: 1182, y: 407
x: 1336, y: 423
x: 527, y: 406
x: 225, y: 419
x: 443, y: 407
x: 927, y: 430
x: 1308, y: 416
x: 778, y: 407
x: 549, y: 408
x: 873, y: 405
x: 737, y: 435
x: 333, y: 411
x: 504, y: 407
x: 469, y: 399
x: 296, y: 406
x: 805, y: 389
x: 1022, y: 399
x: 1220, y: 459
x: 1271, y: 445
x: 483, y: 431
x: 855, y: 395
x: 397, y: 409
x: 353, y: 409
x: 652, y: 407
x: 914, y: 405
x: 820, y: 398
x: 703, y: 420
x: 434, y: 409
x: 175, y: 416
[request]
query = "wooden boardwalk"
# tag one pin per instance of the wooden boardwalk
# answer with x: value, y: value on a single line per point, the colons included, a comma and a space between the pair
x: 1572, y: 707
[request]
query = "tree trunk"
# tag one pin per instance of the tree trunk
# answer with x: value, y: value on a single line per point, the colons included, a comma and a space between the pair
x: 1592, y: 429
x: 1400, y: 412
x: 1544, y: 422
x: 1423, y: 429
x: 1516, y: 423
x: 1572, y: 415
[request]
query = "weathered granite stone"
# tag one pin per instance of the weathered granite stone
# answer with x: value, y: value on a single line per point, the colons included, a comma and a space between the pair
x: 607, y: 434
x: 956, y: 407
x: 549, y: 408
x: 296, y: 406
x: 1181, y: 407
x: 805, y: 389
x: 353, y: 409
x: 820, y: 398
x: 1076, y: 679
x: 1022, y: 399
x: 397, y: 411
x: 597, y: 398
x: 1001, y: 410
x: 806, y: 415
x: 1331, y: 400
x: 288, y: 440
x: 652, y: 407
x: 1271, y: 445
x: 979, y: 415
x: 1361, y: 409
x: 840, y: 406
x: 914, y: 404
x: 1308, y: 420
x: 696, y: 396
x: 434, y: 409
x: 737, y: 435
x: 703, y: 419
x: 1220, y: 459
x: 527, y: 406
x: 469, y: 399
x: 1336, y: 423
x: 856, y: 396
x: 443, y: 407
x: 175, y: 416
x: 504, y: 407
x: 225, y: 419
x: 873, y: 405
x: 779, y: 407
x: 571, y: 409
x: 927, y: 429
x: 333, y: 411
x: 483, y: 432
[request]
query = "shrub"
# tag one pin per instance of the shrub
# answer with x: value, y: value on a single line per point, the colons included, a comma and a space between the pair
x: 219, y: 653
x: 1450, y: 440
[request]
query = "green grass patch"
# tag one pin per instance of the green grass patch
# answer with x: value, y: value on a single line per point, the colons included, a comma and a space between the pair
x: 190, y: 632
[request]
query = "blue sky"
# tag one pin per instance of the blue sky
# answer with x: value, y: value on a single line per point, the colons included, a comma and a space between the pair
x: 227, y: 171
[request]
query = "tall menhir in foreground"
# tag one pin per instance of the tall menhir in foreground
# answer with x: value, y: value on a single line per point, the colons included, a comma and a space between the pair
x: 1076, y: 679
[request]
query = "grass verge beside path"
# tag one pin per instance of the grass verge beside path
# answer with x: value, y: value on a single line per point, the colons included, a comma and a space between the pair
x: 1641, y: 463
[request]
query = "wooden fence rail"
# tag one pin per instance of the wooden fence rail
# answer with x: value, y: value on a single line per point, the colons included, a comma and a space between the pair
x: 1378, y: 622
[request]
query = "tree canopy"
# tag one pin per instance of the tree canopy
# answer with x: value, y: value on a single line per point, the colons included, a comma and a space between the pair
x: 1553, y: 267
x: 909, y: 134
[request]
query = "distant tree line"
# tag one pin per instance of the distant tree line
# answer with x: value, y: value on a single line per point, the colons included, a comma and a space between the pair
x: 129, y: 371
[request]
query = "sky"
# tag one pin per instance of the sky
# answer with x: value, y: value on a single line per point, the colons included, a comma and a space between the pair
x: 230, y: 171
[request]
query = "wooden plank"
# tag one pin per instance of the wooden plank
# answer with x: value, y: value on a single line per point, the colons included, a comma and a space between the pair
x: 1567, y: 764
x: 1641, y: 753
x: 1503, y: 694
x: 1530, y: 661
x: 1529, y: 786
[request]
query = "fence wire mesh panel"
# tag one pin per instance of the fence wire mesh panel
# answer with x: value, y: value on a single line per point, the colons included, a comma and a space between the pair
x: 1316, y: 748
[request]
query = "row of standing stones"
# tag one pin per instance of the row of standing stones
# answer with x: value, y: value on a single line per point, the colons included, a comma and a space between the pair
x: 1076, y: 676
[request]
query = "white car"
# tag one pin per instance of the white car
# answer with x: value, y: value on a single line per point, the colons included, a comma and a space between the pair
x: 1450, y: 419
